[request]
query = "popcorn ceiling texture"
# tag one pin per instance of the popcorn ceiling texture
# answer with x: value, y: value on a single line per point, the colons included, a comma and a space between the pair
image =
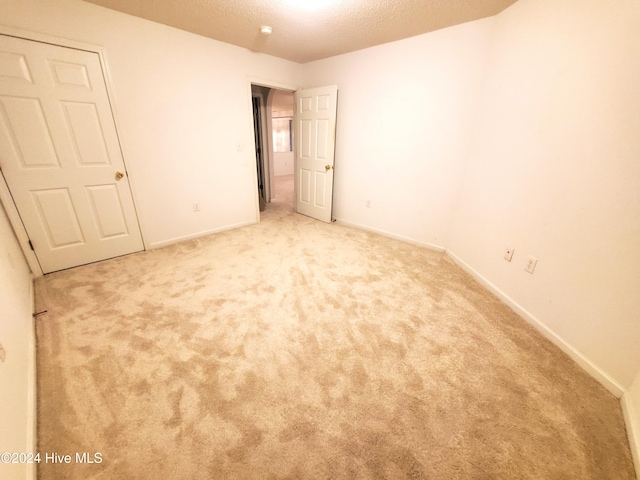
x: 295, y: 349
x: 304, y: 33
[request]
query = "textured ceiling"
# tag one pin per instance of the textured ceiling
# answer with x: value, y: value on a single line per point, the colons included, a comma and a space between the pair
x: 307, y: 30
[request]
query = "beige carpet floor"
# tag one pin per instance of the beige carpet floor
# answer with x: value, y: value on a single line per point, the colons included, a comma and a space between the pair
x: 293, y: 349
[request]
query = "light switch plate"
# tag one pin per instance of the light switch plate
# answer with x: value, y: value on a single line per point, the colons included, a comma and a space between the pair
x: 531, y: 264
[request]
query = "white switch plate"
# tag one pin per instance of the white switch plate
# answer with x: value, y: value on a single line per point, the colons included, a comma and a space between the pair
x: 531, y: 264
x: 508, y: 254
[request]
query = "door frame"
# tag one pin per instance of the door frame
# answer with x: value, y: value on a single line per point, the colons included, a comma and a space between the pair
x: 262, y: 130
x: 261, y: 83
x: 5, y: 195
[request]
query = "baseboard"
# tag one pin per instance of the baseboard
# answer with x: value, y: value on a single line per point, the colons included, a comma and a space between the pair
x: 390, y: 235
x: 632, y: 421
x: 171, y: 241
x: 610, y: 384
x: 32, y: 394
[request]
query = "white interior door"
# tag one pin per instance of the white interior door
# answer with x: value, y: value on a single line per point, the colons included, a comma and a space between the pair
x: 315, y: 137
x: 60, y: 155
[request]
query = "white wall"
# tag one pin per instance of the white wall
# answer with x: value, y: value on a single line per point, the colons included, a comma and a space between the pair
x: 282, y: 107
x: 283, y: 163
x: 522, y: 131
x: 17, y: 414
x: 182, y: 105
x: 404, y: 116
x: 554, y: 171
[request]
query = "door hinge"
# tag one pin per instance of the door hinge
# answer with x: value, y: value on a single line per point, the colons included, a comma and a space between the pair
x: 31, y: 246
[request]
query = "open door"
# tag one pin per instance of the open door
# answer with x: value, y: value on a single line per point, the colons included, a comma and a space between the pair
x: 315, y: 138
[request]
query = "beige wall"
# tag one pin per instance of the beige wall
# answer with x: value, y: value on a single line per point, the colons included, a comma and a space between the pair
x: 283, y: 163
x: 17, y: 414
x: 182, y: 106
x: 519, y: 130
x: 282, y: 107
x: 404, y: 119
x: 553, y: 170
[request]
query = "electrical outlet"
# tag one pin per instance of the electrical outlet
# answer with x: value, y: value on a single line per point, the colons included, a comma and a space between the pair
x: 508, y: 254
x: 196, y: 207
x: 3, y: 353
x: 531, y: 264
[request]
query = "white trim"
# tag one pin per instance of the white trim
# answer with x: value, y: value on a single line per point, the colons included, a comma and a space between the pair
x: 384, y: 233
x: 632, y: 421
x: 46, y: 38
x: 609, y: 383
x: 18, y: 227
x: 113, y: 104
x: 266, y: 144
x: 32, y: 395
x: 268, y: 83
x: 268, y: 104
x: 106, y: 74
x: 252, y: 147
x: 184, y: 238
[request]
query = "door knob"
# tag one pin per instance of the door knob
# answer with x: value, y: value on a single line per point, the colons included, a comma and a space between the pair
x: 119, y: 175
x: 328, y: 167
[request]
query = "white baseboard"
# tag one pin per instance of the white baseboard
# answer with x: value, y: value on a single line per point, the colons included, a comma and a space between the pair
x: 632, y: 421
x: 171, y: 241
x: 390, y: 235
x: 32, y: 399
x: 614, y: 387
x: 32, y: 394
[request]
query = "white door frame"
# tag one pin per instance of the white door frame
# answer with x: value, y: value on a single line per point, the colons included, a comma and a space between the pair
x: 269, y: 84
x: 265, y: 124
x: 5, y: 195
x: 18, y: 227
x: 271, y: 154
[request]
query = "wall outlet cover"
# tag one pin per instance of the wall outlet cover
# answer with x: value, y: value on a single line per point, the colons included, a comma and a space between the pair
x: 508, y: 253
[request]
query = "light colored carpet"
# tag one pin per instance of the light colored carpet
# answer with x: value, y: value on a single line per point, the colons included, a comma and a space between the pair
x: 293, y: 349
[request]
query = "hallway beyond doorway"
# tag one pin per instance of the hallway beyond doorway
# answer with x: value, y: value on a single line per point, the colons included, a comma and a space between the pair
x: 283, y: 196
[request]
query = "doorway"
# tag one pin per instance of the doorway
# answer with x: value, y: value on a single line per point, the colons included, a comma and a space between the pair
x: 62, y: 163
x: 272, y: 110
x: 259, y: 139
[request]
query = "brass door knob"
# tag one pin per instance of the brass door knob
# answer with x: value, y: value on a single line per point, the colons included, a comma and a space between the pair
x: 119, y: 175
x: 328, y: 167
